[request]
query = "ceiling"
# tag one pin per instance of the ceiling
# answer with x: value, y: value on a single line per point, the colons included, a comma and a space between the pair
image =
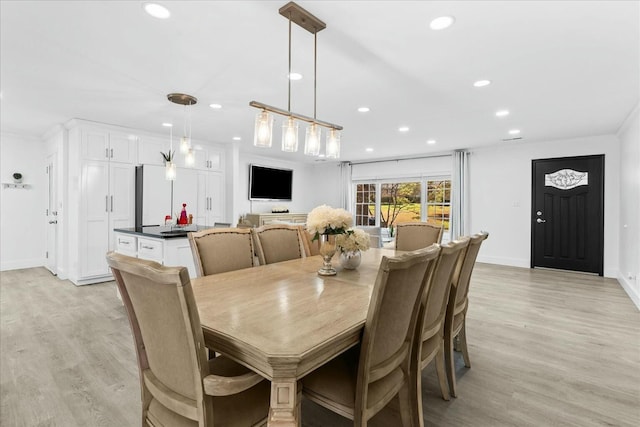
x: 563, y: 69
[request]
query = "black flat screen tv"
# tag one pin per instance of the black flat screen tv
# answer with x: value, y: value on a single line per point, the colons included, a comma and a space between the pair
x: 267, y: 183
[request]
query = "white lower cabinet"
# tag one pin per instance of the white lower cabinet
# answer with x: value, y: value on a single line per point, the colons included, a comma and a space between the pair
x: 174, y: 251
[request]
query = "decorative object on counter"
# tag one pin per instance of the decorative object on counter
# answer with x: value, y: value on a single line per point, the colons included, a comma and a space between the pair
x: 167, y: 220
x: 324, y: 223
x: 17, y: 178
x: 183, y: 220
x: 279, y: 209
x: 263, y: 133
x: 190, y: 218
x: 170, y: 166
x: 351, y: 244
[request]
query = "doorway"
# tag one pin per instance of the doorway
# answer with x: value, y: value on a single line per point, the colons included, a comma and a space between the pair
x: 51, y: 216
x: 567, y: 219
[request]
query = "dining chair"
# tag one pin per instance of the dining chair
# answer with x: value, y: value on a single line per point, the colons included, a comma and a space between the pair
x: 361, y: 381
x: 415, y: 235
x: 217, y: 250
x: 311, y: 247
x: 429, y: 342
x: 179, y: 386
x: 456, y: 317
x: 375, y: 236
x: 278, y: 242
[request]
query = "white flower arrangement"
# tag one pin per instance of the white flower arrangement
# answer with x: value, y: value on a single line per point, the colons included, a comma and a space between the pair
x: 353, y: 240
x: 324, y: 219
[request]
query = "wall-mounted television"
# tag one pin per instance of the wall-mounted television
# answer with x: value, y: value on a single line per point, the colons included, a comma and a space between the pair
x: 267, y: 183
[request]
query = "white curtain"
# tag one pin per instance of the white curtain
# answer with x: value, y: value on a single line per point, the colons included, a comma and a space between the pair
x: 345, y: 185
x: 460, y: 194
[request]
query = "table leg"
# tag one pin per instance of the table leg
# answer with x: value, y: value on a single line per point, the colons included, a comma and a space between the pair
x: 285, y: 403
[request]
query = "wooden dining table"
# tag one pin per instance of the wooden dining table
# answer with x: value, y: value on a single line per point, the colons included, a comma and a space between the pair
x: 283, y: 320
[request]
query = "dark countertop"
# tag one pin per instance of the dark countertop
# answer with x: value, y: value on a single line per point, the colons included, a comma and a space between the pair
x: 161, y: 231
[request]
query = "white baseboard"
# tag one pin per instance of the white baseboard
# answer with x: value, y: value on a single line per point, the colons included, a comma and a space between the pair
x: 511, y: 262
x: 23, y: 263
x: 630, y: 289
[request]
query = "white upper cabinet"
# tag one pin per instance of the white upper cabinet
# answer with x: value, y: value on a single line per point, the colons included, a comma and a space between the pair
x: 110, y: 146
x: 150, y: 150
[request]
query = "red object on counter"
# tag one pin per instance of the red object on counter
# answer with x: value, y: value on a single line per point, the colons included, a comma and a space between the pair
x: 183, y: 220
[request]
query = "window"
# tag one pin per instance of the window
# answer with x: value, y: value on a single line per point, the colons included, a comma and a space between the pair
x: 366, y: 204
x: 385, y: 204
x: 399, y: 202
x: 439, y: 202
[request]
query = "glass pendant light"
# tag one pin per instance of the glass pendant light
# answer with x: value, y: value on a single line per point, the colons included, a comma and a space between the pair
x: 190, y: 158
x: 263, y: 131
x: 290, y: 136
x: 170, y: 171
x: 333, y: 144
x: 312, y: 140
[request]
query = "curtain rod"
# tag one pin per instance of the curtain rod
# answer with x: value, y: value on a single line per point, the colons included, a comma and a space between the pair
x: 401, y: 159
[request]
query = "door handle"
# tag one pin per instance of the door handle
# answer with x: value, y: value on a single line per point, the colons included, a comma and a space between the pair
x: 53, y: 222
x: 111, y: 203
x: 540, y: 220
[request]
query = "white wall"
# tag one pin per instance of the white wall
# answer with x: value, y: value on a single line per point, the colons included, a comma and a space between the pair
x: 311, y: 185
x: 629, y: 273
x: 500, y: 196
x: 22, y: 228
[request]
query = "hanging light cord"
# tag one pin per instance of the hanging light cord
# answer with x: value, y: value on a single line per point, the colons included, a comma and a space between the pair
x: 289, y: 76
x: 315, y: 67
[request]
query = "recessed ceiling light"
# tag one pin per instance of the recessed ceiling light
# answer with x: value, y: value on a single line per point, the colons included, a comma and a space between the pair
x: 215, y: 106
x: 514, y: 131
x: 403, y: 129
x: 502, y: 113
x: 295, y: 76
x: 442, y: 22
x: 482, y: 83
x: 364, y: 109
x: 167, y: 125
x: 237, y: 138
x: 156, y: 10
x: 368, y: 149
x: 431, y: 141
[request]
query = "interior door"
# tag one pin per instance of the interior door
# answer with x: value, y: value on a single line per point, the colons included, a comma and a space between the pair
x: 51, y: 216
x: 567, y: 222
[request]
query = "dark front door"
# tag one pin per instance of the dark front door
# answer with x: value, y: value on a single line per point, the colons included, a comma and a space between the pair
x: 567, y: 229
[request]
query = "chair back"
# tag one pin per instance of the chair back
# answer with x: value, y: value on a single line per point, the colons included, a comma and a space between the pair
x: 435, y: 306
x: 375, y: 236
x: 390, y: 327
x: 461, y: 282
x: 278, y: 242
x: 311, y: 248
x: 167, y: 334
x: 217, y: 250
x: 415, y: 235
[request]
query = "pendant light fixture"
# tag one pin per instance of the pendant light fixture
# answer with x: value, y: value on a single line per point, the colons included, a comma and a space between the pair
x: 264, y: 120
x: 185, y: 141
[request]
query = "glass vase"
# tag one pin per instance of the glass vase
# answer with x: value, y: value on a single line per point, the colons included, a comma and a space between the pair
x: 350, y: 260
x: 327, y: 249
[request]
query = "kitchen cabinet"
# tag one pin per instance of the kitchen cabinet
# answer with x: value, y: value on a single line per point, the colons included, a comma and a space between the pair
x: 209, y: 159
x: 150, y: 149
x: 103, y: 162
x: 211, y: 198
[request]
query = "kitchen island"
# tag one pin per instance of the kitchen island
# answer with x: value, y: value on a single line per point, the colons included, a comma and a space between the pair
x: 167, y: 245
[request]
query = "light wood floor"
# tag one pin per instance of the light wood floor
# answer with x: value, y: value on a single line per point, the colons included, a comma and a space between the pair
x: 547, y: 349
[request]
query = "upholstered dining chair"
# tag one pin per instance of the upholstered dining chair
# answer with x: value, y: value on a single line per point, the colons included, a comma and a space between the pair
x: 375, y: 236
x: 217, y: 250
x: 456, y: 317
x: 430, y: 331
x: 361, y: 381
x: 311, y: 247
x: 179, y: 386
x: 415, y: 235
x: 278, y: 242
